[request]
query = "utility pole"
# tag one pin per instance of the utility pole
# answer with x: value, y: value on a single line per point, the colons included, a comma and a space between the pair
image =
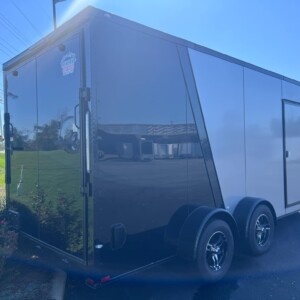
x: 54, y: 11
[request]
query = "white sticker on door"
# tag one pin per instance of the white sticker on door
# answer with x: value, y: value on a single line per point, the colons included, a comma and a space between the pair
x: 67, y: 63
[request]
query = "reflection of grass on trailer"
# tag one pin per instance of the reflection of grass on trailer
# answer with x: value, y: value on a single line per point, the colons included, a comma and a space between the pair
x: 54, y: 168
x: 2, y: 170
x: 50, y: 207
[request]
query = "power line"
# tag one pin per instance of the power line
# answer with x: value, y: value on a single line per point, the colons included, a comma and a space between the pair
x: 9, y: 44
x: 5, y: 52
x: 13, y: 29
x: 23, y: 14
x: 3, y: 45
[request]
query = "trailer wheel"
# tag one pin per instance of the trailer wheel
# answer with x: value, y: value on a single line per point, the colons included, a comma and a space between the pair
x: 215, y: 251
x: 261, y: 230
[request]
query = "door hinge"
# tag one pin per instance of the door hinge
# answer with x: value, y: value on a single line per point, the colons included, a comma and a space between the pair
x: 85, y: 94
x: 86, y: 190
x: 90, y: 188
x: 83, y: 191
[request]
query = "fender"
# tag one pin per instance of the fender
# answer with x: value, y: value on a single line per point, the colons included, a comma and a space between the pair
x: 194, y: 226
x: 175, y: 224
x: 244, y: 211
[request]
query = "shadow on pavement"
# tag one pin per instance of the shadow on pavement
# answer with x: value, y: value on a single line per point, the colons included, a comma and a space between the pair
x: 275, y: 275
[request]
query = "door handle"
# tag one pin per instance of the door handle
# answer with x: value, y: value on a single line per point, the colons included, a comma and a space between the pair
x: 287, y: 154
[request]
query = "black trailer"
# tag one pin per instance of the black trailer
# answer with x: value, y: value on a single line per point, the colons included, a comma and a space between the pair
x: 126, y: 146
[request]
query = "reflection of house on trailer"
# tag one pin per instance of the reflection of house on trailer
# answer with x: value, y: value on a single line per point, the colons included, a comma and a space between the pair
x: 170, y: 148
x: 147, y: 142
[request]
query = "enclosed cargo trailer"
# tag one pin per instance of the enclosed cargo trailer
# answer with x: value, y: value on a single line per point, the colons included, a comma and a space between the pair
x: 126, y: 147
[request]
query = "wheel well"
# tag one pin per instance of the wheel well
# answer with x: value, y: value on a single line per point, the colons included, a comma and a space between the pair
x: 195, y: 225
x: 267, y: 203
x: 228, y: 218
x: 172, y: 230
x: 244, y: 211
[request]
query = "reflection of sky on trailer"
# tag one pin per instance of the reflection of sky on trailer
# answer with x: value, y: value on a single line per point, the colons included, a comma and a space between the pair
x: 19, y: 95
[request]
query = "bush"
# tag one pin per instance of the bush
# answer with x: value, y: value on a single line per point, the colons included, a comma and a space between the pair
x: 8, y: 242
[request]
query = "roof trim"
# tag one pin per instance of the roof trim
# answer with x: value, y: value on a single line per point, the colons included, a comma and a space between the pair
x: 86, y: 15
x: 78, y: 21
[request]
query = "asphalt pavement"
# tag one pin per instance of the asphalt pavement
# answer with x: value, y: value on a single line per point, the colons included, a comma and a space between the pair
x: 275, y: 275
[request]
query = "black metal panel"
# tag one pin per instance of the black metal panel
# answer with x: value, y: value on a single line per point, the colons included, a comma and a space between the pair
x: 199, y: 120
x: 21, y: 103
x: 46, y: 161
x: 58, y: 140
x: 148, y: 160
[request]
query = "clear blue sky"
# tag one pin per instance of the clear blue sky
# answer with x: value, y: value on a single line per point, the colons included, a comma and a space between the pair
x: 262, y: 32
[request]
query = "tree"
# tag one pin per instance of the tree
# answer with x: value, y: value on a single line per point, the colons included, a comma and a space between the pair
x: 47, y: 137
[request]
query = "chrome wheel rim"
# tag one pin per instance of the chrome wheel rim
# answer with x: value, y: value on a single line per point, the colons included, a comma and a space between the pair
x: 262, y: 230
x: 216, y: 250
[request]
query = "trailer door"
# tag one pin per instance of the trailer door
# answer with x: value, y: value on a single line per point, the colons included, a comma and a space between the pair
x: 291, y: 117
x: 48, y: 160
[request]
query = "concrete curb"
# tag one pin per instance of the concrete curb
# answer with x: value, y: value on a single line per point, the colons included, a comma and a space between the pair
x: 58, y: 285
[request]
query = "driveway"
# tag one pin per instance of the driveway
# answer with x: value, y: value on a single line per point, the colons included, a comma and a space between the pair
x: 275, y: 275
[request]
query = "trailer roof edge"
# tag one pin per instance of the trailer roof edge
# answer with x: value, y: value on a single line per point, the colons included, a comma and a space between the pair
x: 74, y: 23
x: 88, y: 13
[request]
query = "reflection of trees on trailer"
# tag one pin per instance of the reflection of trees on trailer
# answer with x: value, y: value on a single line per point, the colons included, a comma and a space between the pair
x: 171, y: 149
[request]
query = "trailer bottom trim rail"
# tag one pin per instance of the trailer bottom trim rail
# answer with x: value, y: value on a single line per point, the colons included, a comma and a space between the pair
x: 107, y: 279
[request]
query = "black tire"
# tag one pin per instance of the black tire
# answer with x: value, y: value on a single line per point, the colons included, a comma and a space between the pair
x: 261, y: 230
x: 215, y: 251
